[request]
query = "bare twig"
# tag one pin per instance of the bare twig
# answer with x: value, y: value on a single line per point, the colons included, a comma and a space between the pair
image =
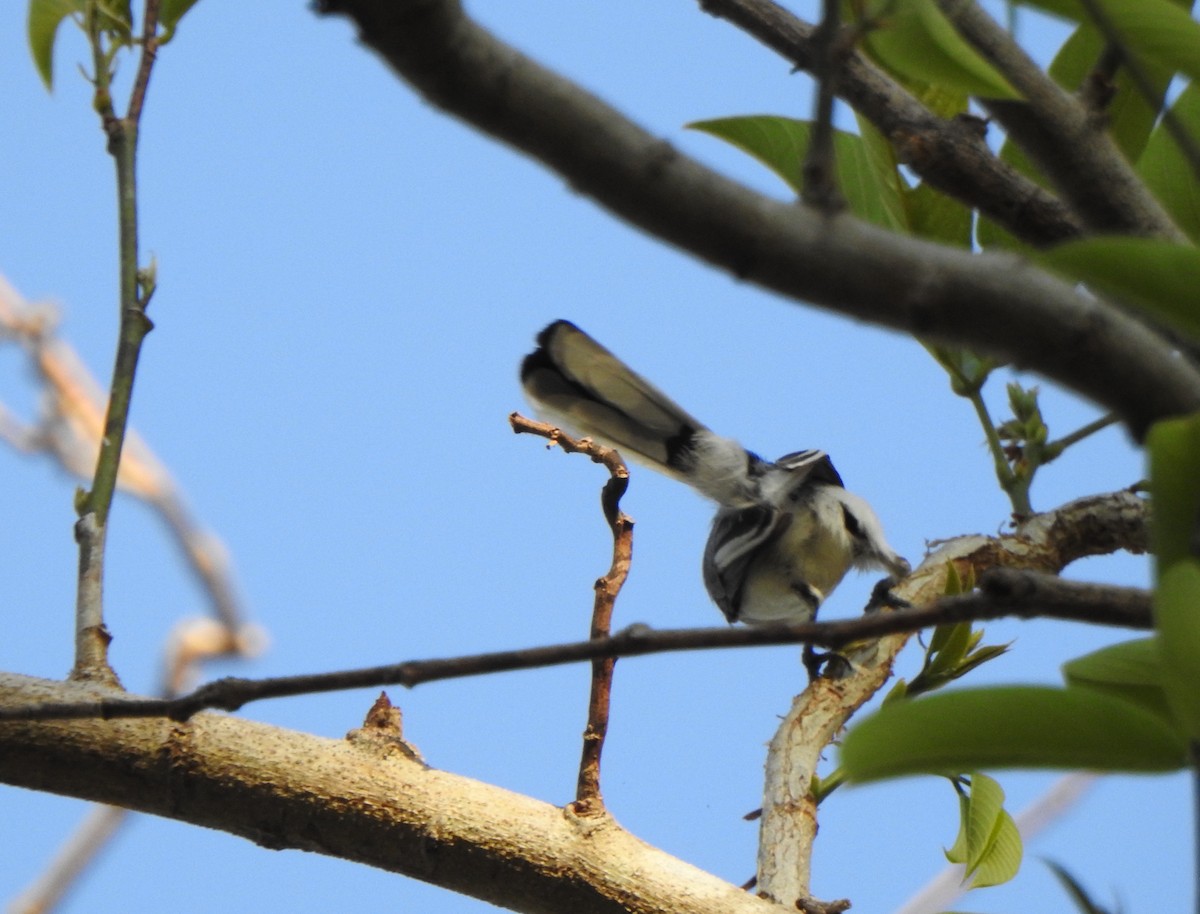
x: 837, y: 262
x: 1004, y: 593
x: 141, y: 82
x: 588, y: 799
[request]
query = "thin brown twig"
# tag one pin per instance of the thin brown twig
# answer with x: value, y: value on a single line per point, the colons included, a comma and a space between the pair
x: 1003, y: 593
x: 588, y: 798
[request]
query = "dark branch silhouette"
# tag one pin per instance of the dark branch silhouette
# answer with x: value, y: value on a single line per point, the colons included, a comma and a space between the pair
x: 1002, y: 593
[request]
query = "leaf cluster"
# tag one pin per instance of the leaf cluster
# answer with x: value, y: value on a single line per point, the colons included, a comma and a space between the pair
x: 113, y: 18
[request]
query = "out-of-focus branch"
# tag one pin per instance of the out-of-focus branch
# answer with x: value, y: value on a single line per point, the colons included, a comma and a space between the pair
x: 1138, y: 75
x: 190, y: 644
x: 69, y: 429
x: 77, y: 853
x: 1046, y: 543
x: 1070, y: 146
x: 948, y: 886
x: 837, y: 262
x: 820, y: 165
x: 949, y: 155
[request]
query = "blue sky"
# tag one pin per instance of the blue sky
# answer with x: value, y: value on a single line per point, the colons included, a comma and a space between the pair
x: 347, y: 283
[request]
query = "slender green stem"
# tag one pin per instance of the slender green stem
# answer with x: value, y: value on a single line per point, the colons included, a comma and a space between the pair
x: 1079, y: 434
x: 91, y: 638
x: 823, y: 787
x: 122, y: 144
x: 1016, y: 488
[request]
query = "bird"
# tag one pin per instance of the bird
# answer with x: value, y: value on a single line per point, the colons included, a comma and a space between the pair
x: 785, y: 532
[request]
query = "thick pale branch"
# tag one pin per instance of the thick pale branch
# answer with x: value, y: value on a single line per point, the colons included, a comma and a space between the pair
x: 363, y: 800
x: 949, y: 155
x: 990, y: 303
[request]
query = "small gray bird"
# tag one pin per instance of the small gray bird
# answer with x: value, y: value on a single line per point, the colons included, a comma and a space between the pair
x: 786, y: 532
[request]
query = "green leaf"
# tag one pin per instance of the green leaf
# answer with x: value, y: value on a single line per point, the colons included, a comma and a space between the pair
x: 914, y: 39
x: 1157, y: 276
x: 957, y: 852
x: 781, y: 144
x: 988, y: 843
x: 1075, y: 889
x: 984, y: 806
x: 1174, y: 447
x: 937, y: 217
x: 170, y: 13
x: 1177, y: 615
x: 116, y: 16
x: 1010, y: 727
x: 44, y: 19
x: 968, y: 373
x: 951, y: 646
x: 1133, y: 663
x: 1159, y: 30
x: 1165, y: 169
x: 980, y: 657
x: 954, y: 585
x: 1130, y: 670
x: 1002, y: 859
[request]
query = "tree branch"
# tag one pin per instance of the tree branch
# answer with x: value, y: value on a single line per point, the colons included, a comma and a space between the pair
x: 820, y: 165
x: 1141, y: 78
x: 1072, y: 148
x: 948, y: 155
x: 836, y: 262
x: 588, y: 799
x: 1044, y: 543
x: 367, y: 801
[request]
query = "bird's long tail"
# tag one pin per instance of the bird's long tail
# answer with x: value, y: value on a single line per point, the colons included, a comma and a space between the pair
x: 577, y: 383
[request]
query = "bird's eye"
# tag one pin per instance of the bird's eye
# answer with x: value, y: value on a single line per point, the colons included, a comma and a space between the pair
x: 853, y: 527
